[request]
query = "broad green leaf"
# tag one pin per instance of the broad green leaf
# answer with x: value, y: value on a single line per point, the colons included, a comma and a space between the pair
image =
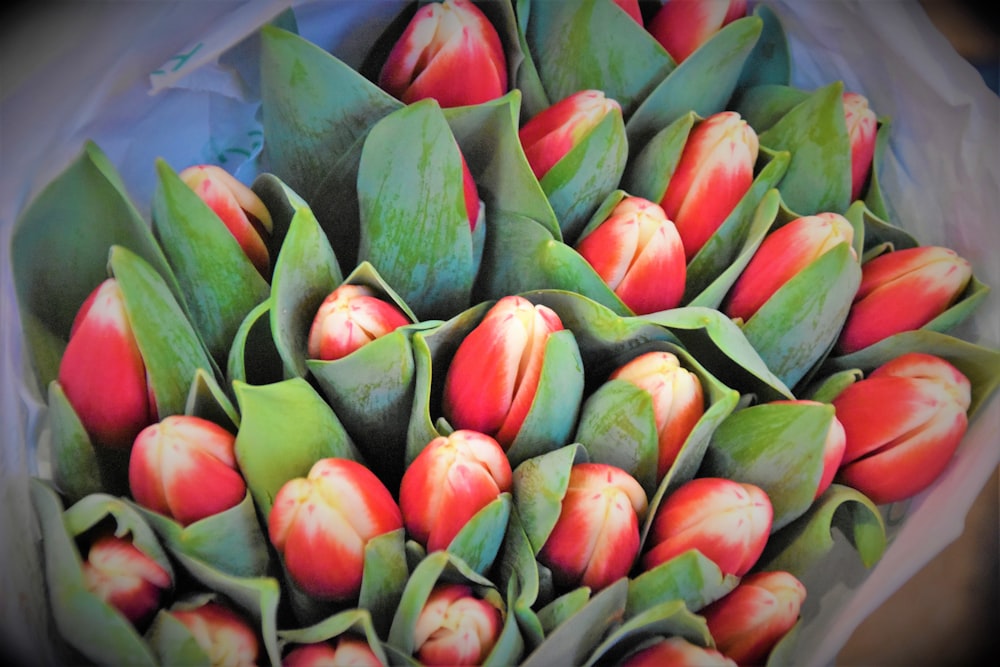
x: 286, y: 428
x: 765, y: 104
x: 78, y: 467
x: 874, y: 197
x: 478, y: 542
x: 219, y: 283
x: 560, y: 610
x: 383, y: 577
x: 668, y: 619
x: 356, y: 622
x: 652, y: 163
x: 770, y: 61
x: 525, y: 77
x: 174, y: 643
x: 540, y: 484
x: 689, y: 577
x: 253, y: 358
x: 879, y: 232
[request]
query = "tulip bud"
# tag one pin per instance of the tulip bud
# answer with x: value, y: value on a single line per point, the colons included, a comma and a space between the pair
x: 902, y: 291
x: 783, y: 254
x: 552, y: 133
x: 862, y: 127
x: 750, y: 619
x: 126, y: 578
x: 676, y: 652
x: 454, y: 477
x: 225, y: 636
x: 239, y: 208
x: 328, y: 518
x: 494, y: 374
x: 596, y: 538
x: 715, y: 170
x: 346, y: 650
x: 727, y: 521
x: 455, y: 627
x: 631, y: 7
x: 185, y: 467
x: 681, y: 26
x: 902, y: 424
x: 350, y: 317
x: 638, y: 253
x: 102, y: 371
x: 678, y: 400
x: 449, y: 52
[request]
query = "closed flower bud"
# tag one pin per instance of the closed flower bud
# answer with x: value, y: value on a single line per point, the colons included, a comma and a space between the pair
x: 596, y: 539
x: 862, y: 128
x: 552, y: 133
x: 185, y: 468
x: 449, y: 52
x: 727, y: 521
x: 454, y: 477
x: 901, y: 291
x: 350, y: 317
x: 239, y: 208
x: 102, y: 371
x: 125, y: 577
x: 902, y: 424
x: 681, y: 26
x: 676, y: 652
x: 346, y: 650
x: 750, y: 619
x: 783, y: 254
x: 638, y: 253
x: 455, y: 627
x: 715, y: 170
x: 678, y: 400
x: 225, y: 636
x: 328, y: 518
x: 494, y: 374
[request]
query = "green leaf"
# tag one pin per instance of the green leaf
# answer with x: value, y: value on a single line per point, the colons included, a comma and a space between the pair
x: 668, y: 619
x: 383, y: 577
x: 540, y: 483
x: 207, y: 400
x: 560, y: 610
x: 879, y: 233
x: 253, y: 358
x: 690, y: 577
x: 356, y: 622
x: 874, y: 197
x: 517, y: 571
x: 478, y: 542
x: 770, y: 61
x: 78, y: 467
x: 764, y: 105
x: 525, y: 75
x: 174, y: 643
x: 654, y: 162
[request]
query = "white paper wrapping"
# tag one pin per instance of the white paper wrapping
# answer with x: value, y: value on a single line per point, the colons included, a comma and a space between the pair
x: 145, y: 80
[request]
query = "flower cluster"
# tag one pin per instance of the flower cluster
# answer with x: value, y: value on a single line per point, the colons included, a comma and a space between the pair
x: 507, y: 355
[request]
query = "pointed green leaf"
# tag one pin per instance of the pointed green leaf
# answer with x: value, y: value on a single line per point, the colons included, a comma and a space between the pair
x: 880, y: 232
x: 668, y: 619
x: 356, y: 622
x: 563, y: 608
x: 828, y: 388
x: 540, y: 484
x: 652, y: 163
x: 525, y: 76
x: 174, y: 643
x: 689, y: 577
x: 764, y: 105
x: 874, y: 197
x: 253, y: 358
x: 478, y: 542
x: 770, y: 61
x: 383, y: 577
x: 79, y: 468
x: 207, y: 400
x: 517, y: 571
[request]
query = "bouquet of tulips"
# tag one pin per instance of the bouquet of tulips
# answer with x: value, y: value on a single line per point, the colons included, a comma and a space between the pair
x: 553, y: 333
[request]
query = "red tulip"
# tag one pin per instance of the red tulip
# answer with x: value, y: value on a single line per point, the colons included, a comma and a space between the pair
x: 455, y: 627
x: 862, y: 127
x: 239, y: 208
x: 596, y: 538
x: 328, y: 518
x: 727, y: 521
x: 678, y: 400
x: 350, y: 317
x: 676, y: 652
x: 750, y: 619
x: 681, y: 26
x: 784, y: 253
x: 185, y: 468
x: 901, y: 291
x: 631, y: 7
x: 638, y: 253
x: 102, y: 371
x: 125, y: 577
x: 449, y: 52
x: 225, y: 636
x: 902, y: 424
x: 552, y: 133
x: 347, y: 651
x: 714, y: 173
x: 454, y: 477
x: 494, y: 374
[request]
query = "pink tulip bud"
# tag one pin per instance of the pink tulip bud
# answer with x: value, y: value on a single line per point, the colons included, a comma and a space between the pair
x: 862, y: 126
x: 225, y: 636
x: 677, y: 652
x: 125, y: 577
x: 596, y: 539
x: 902, y: 424
x: 902, y: 291
x: 327, y: 518
x: 678, y: 400
x: 784, y: 253
x: 185, y: 468
x: 454, y: 477
x: 638, y: 253
x: 102, y: 371
x: 455, y: 627
x: 749, y: 621
x: 715, y: 170
x: 727, y: 521
x: 494, y: 374
x: 449, y: 52
x: 350, y: 317
x: 631, y: 7
x: 345, y: 650
x: 239, y: 208
x: 681, y: 26
x: 552, y: 133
